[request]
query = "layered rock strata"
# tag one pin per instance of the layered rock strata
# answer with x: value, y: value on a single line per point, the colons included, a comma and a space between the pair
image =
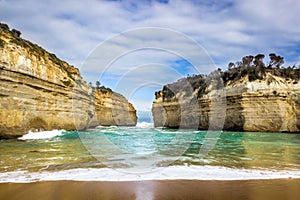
x: 267, y: 105
x: 38, y: 91
x: 113, y: 109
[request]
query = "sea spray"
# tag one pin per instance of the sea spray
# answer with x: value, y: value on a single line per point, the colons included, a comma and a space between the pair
x: 41, y: 135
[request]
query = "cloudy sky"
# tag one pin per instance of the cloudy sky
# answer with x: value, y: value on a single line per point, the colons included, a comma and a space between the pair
x: 135, y: 47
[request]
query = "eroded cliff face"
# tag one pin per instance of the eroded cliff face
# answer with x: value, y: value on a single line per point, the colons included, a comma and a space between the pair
x: 112, y: 109
x: 39, y: 91
x: 268, y: 105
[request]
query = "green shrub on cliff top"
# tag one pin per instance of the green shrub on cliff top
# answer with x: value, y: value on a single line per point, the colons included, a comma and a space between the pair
x: 16, y: 33
x: 252, y: 67
x: 4, y: 27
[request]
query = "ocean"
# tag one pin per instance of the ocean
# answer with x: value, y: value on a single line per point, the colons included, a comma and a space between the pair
x: 147, y: 153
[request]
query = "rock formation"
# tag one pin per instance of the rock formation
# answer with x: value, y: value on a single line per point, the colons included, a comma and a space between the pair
x: 263, y: 99
x: 112, y: 109
x: 38, y: 91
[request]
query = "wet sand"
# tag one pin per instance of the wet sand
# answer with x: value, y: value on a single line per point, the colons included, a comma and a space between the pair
x: 163, y: 189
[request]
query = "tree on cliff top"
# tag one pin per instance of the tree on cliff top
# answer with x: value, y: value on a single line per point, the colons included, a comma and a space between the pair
x: 4, y: 27
x: 275, y: 61
x: 16, y: 33
x: 252, y: 67
x: 98, y: 84
x: 255, y: 68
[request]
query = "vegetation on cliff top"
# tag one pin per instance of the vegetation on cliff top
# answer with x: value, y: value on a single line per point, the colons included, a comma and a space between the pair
x: 255, y: 68
x: 33, y: 49
x: 252, y: 67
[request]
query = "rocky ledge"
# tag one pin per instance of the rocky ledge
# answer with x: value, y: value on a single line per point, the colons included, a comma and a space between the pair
x: 38, y: 91
x: 249, y: 96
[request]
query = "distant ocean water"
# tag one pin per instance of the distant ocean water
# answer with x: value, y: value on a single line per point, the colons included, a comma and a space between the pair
x: 145, y: 119
x: 144, y: 153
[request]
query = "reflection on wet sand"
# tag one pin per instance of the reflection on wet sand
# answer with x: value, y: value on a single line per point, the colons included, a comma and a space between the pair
x: 287, y: 189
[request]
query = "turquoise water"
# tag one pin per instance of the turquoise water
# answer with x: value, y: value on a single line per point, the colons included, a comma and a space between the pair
x: 143, y: 147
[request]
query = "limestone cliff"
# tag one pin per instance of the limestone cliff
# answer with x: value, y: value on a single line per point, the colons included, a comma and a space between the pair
x: 112, y: 108
x: 39, y: 91
x: 269, y: 103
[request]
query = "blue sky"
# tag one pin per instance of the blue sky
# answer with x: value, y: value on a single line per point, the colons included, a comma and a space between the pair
x: 223, y: 30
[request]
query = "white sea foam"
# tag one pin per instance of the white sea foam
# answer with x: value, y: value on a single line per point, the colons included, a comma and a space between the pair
x: 166, y: 173
x: 144, y: 125
x: 41, y: 135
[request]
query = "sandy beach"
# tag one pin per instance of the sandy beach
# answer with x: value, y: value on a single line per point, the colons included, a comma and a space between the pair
x: 287, y: 189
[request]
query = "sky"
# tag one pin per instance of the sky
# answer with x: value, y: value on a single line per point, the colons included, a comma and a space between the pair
x: 135, y: 47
